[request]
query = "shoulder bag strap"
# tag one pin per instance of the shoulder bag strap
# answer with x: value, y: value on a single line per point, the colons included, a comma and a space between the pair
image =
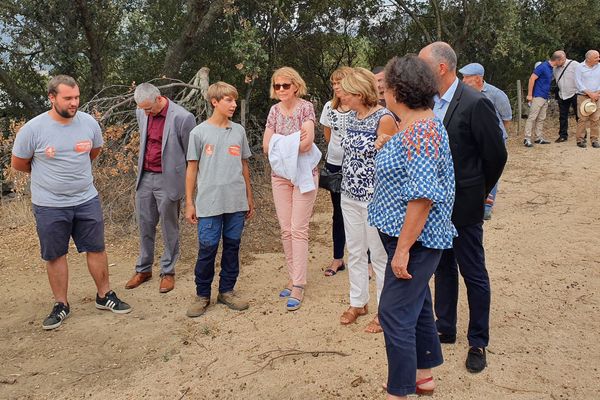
x: 563, y: 72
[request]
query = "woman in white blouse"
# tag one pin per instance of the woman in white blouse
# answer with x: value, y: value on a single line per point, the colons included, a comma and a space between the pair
x: 334, y: 119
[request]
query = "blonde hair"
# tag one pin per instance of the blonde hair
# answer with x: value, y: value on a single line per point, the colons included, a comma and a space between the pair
x: 291, y: 74
x: 218, y: 90
x: 361, y: 82
x: 338, y: 75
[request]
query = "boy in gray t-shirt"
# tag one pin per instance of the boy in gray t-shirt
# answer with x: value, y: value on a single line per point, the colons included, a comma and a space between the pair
x: 217, y: 166
x: 57, y: 148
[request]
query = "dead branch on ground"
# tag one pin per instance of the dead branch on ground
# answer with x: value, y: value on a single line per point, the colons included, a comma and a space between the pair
x: 270, y: 356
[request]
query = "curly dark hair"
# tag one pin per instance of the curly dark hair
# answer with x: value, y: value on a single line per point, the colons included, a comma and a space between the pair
x: 411, y: 81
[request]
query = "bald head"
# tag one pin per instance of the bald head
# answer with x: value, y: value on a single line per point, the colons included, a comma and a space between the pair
x: 592, y: 57
x: 591, y: 54
x: 558, y: 55
x: 442, y: 53
x: 441, y: 58
x: 558, y: 58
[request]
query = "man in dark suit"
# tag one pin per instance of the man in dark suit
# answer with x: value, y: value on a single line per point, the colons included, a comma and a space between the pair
x: 479, y: 156
x: 164, y: 135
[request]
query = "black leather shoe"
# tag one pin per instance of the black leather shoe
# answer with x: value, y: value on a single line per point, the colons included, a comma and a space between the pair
x: 476, y: 360
x: 560, y: 139
x: 445, y: 338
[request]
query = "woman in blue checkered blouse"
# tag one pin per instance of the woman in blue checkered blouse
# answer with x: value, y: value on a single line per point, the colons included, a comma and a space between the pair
x: 411, y: 208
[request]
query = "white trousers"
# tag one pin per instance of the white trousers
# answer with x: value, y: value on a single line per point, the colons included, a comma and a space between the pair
x: 360, y: 237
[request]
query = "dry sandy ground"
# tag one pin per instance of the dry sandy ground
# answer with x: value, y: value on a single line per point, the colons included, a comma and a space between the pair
x: 542, y: 251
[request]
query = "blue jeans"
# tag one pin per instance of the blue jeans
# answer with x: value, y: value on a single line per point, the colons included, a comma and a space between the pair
x: 491, y: 198
x: 210, y: 229
x: 406, y: 316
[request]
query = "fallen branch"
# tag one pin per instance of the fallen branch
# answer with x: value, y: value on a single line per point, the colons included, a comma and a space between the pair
x: 84, y: 374
x: 129, y: 98
x: 8, y: 381
x: 201, y: 369
x: 516, y: 389
x: 268, y: 355
x: 184, y: 393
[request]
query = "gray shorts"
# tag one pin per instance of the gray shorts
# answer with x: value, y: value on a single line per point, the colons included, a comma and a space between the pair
x: 56, y: 225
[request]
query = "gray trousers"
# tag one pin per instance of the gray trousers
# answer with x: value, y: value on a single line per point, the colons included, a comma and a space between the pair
x: 151, y: 205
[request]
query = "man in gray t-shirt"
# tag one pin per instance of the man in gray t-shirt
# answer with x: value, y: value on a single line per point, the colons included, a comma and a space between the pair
x: 57, y: 148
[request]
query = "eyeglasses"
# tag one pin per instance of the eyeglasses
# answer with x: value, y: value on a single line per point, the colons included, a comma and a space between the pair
x: 284, y: 86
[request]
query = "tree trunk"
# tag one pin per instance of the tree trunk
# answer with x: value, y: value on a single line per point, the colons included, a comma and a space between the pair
x: 438, y: 19
x: 94, y: 47
x: 201, y: 15
x: 415, y: 17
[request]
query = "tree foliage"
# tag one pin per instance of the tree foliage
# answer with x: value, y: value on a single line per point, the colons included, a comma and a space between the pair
x: 113, y: 42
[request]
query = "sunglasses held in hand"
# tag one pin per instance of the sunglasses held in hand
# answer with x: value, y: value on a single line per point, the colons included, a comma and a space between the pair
x: 284, y: 86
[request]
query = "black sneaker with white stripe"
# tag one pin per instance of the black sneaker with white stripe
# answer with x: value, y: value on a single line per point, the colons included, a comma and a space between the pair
x: 59, y: 313
x: 112, y: 303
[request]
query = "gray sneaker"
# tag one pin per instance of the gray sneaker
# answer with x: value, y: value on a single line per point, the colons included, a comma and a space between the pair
x: 233, y: 300
x: 111, y: 302
x: 59, y: 313
x: 198, y: 307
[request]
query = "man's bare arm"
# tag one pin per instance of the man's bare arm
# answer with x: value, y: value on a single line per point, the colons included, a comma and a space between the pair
x: 21, y: 164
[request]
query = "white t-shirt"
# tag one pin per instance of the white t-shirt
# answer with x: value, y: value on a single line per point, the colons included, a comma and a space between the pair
x: 338, y: 122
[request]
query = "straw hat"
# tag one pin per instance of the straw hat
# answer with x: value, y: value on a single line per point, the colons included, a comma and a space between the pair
x: 587, y: 107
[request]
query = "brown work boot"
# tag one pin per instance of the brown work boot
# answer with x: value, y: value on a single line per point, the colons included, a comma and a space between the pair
x: 167, y: 283
x: 232, y: 300
x: 137, y: 279
x: 198, y: 307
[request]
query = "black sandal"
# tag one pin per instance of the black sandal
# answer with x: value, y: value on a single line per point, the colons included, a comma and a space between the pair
x: 332, y: 272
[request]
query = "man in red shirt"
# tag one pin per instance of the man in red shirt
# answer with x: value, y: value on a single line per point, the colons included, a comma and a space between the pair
x: 164, y: 132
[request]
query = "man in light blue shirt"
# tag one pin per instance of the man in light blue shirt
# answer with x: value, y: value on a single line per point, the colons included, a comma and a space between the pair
x: 441, y: 103
x: 473, y: 76
x: 587, y: 77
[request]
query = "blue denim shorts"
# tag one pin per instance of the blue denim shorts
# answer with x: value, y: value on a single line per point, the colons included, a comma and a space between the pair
x: 56, y: 225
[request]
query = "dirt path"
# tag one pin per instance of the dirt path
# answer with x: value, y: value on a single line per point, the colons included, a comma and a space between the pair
x: 542, y: 251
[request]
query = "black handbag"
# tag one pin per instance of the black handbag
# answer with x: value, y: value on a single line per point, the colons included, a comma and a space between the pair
x: 331, y: 181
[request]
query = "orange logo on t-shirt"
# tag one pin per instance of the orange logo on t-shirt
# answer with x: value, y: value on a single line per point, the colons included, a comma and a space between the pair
x: 209, y: 149
x: 234, y: 150
x: 84, y: 146
x: 50, y: 151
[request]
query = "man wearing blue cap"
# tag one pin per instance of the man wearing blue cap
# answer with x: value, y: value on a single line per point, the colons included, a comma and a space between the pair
x: 538, y: 92
x: 473, y: 76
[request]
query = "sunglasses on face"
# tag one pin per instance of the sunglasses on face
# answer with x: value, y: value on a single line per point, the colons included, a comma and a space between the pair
x: 284, y: 86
